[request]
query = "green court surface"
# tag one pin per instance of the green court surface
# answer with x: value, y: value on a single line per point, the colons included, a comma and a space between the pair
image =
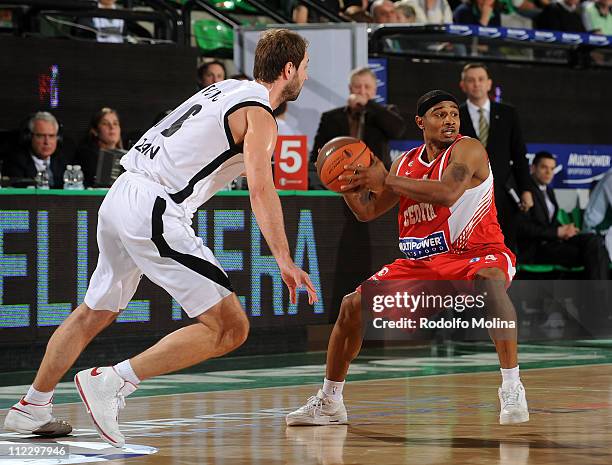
x: 234, y: 373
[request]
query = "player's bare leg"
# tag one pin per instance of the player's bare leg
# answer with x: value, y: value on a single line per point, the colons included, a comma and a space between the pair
x: 219, y: 330
x: 346, y: 338
x: 327, y: 407
x: 67, y: 343
x: 33, y: 413
x: 512, y: 393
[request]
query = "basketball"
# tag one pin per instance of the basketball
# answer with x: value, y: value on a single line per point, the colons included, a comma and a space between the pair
x: 337, y: 153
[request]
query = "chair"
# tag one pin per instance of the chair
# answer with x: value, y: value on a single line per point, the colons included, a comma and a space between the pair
x: 213, y: 36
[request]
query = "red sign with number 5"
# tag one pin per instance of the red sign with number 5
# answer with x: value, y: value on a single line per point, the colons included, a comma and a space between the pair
x: 291, y: 163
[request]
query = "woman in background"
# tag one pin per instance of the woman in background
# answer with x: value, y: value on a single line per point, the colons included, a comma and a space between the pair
x: 104, y: 133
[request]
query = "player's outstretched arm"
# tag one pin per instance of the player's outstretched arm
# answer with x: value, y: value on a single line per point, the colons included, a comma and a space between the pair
x: 469, y: 157
x: 366, y: 193
x: 259, y: 142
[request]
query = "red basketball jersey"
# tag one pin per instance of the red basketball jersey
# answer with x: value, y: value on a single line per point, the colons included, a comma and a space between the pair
x: 426, y: 230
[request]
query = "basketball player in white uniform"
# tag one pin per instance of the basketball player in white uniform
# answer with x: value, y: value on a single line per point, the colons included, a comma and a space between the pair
x: 144, y: 227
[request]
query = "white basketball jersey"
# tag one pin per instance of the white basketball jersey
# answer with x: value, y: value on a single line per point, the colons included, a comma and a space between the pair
x: 191, y: 152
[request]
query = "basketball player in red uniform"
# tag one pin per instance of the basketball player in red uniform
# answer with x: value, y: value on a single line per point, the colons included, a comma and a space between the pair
x: 448, y: 230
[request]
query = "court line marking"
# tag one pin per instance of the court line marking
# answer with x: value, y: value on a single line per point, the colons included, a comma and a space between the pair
x: 350, y: 382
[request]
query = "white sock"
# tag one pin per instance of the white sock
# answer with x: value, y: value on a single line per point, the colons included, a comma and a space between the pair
x: 333, y: 389
x: 510, y: 375
x: 125, y: 370
x: 39, y: 398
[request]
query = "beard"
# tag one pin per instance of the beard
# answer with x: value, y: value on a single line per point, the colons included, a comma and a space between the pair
x: 291, y: 91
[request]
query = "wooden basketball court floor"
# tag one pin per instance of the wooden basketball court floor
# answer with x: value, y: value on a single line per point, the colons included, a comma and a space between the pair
x: 428, y: 419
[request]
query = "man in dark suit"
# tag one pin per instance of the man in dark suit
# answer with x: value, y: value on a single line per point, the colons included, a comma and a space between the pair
x: 498, y: 128
x: 542, y: 239
x: 362, y: 118
x: 39, y: 152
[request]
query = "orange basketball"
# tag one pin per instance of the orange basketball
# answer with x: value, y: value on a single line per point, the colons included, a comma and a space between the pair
x: 337, y: 153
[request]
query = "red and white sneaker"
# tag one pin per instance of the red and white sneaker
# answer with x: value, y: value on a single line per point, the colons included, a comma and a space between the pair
x: 25, y: 417
x: 103, y: 391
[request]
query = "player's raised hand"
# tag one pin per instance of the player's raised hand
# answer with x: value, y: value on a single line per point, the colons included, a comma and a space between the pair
x: 295, y: 277
x: 357, y: 177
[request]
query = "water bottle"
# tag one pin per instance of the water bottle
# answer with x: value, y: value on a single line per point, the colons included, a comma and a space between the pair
x: 78, y: 177
x: 68, y: 178
x: 42, y: 180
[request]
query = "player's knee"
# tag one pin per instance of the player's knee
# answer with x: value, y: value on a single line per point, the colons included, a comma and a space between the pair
x: 235, y: 328
x: 241, y: 331
x: 350, y: 310
x: 93, y: 320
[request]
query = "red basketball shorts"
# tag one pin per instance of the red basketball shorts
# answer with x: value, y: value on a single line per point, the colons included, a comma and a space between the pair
x: 445, y: 267
x: 449, y: 267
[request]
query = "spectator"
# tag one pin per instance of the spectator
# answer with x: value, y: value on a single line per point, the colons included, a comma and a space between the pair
x: 301, y: 14
x: 211, y: 72
x: 362, y: 117
x: 355, y: 10
x: 436, y: 11
x: 498, y: 128
x: 39, y: 152
x: 529, y: 8
x: 104, y: 134
x: 597, y: 17
x: 561, y: 16
x: 114, y: 30
x: 383, y: 12
x: 478, y: 12
x: 598, y: 213
x: 357, y: 13
x: 409, y: 12
x: 107, y: 29
x: 542, y: 239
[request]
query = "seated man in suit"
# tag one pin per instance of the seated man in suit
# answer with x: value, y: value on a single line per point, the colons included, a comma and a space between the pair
x: 362, y: 118
x: 542, y: 239
x: 39, y: 153
x: 598, y: 212
x: 497, y: 126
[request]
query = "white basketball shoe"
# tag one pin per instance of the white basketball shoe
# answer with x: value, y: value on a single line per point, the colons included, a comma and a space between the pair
x: 27, y: 418
x: 513, y: 404
x: 319, y: 410
x: 103, y: 391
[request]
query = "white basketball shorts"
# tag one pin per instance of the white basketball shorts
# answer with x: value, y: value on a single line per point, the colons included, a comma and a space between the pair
x: 142, y: 231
